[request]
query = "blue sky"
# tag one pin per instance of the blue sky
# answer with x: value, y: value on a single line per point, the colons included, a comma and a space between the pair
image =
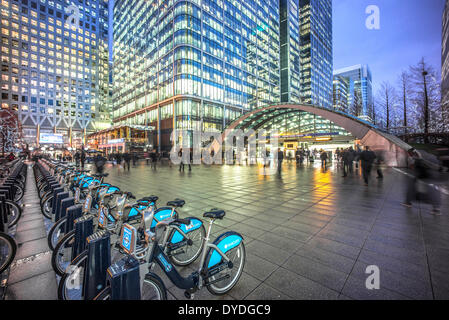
x: 409, y: 30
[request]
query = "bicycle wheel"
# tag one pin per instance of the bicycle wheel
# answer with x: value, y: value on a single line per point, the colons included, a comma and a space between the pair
x: 104, y: 294
x: 8, y: 249
x: 71, y: 284
x: 56, y: 233
x: 62, y: 255
x: 46, y: 206
x: 14, y: 212
x: 153, y: 288
x: 229, y: 277
x: 18, y: 193
x: 190, y: 251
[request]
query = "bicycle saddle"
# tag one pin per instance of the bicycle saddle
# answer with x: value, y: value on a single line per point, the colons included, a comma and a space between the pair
x: 177, y: 203
x: 149, y: 199
x: 214, y: 214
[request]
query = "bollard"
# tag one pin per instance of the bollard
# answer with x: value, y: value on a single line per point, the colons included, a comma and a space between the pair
x: 124, y: 279
x: 98, y: 262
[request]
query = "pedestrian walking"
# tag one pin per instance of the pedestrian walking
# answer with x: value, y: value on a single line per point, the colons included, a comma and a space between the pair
x: 100, y: 162
x: 280, y: 160
x: 323, y: 157
x: 127, y: 158
x: 367, y: 157
x: 348, y: 156
x: 83, y: 157
x: 419, y: 188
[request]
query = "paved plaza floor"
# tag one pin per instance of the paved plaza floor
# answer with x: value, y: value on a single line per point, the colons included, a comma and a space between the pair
x: 309, y: 233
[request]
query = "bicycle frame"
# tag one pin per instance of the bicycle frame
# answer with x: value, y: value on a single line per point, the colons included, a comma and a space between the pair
x: 194, y: 281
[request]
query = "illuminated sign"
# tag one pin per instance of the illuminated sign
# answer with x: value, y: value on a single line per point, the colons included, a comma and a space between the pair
x: 115, y: 141
x: 50, y: 138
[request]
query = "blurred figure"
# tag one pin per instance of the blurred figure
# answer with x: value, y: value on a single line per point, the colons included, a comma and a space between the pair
x: 348, y: 156
x: 280, y: 159
x: 127, y: 158
x: 379, y: 160
x: 418, y: 188
x: 77, y: 158
x: 100, y: 162
x: 153, y: 157
x: 367, y: 157
x: 83, y: 157
x: 134, y: 157
x: 323, y: 157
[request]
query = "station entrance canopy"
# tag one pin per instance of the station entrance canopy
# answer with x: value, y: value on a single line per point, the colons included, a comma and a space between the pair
x: 291, y: 120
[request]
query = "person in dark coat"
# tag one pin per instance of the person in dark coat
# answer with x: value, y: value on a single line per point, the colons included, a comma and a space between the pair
x: 83, y: 157
x: 100, y: 162
x: 367, y: 157
x: 127, y: 158
x: 280, y: 159
x: 348, y: 157
x: 323, y: 157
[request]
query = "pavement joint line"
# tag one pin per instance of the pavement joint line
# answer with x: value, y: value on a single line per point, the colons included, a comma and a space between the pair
x: 364, y: 242
x: 425, y: 248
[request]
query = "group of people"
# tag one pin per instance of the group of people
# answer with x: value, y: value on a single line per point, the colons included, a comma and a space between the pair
x: 124, y: 158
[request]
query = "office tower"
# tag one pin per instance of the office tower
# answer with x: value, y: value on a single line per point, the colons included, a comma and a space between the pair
x: 55, y: 66
x: 360, y: 98
x: 193, y: 64
x: 315, y: 18
x: 289, y: 46
x: 445, y: 59
x: 341, y: 93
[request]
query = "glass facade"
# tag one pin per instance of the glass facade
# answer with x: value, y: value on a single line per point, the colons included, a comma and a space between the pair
x: 445, y: 58
x: 360, y: 95
x: 315, y: 18
x: 193, y: 64
x: 54, y: 73
x: 290, y: 50
x: 341, y: 89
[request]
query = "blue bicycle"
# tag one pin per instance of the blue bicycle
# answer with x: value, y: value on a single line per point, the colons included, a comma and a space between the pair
x: 221, y: 263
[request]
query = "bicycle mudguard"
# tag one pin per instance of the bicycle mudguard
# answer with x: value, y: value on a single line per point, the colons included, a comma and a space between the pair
x: 134, y: 212
x: 224, y: 242
x: 186, y: 228
x: 162, y: 214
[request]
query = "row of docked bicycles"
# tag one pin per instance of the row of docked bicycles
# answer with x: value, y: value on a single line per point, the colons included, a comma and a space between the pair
x: 102, y: 238
x: 12, y: 187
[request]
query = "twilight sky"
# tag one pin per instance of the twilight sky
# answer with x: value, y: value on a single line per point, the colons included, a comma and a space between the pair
x: 409, y: 30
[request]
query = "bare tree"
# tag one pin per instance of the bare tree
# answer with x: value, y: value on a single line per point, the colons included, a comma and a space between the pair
x: 387, y: 99
x: 404, y: 82
x: 425, y: 96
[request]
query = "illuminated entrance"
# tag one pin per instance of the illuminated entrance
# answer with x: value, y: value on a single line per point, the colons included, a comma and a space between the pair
x: 314, y: 127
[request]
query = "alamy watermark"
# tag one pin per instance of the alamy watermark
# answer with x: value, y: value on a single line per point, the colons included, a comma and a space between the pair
x: 372, y: 22
x: 373, y: 280
x: 234, y: 146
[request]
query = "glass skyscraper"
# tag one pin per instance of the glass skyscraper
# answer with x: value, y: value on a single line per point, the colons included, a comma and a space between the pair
x: 445, y: 59
x: 315, y: 18
x: 290, y: 50
x: 193, y: 64
x: 54, y: 72
x: 360, y: 94
x: 341, y: 89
